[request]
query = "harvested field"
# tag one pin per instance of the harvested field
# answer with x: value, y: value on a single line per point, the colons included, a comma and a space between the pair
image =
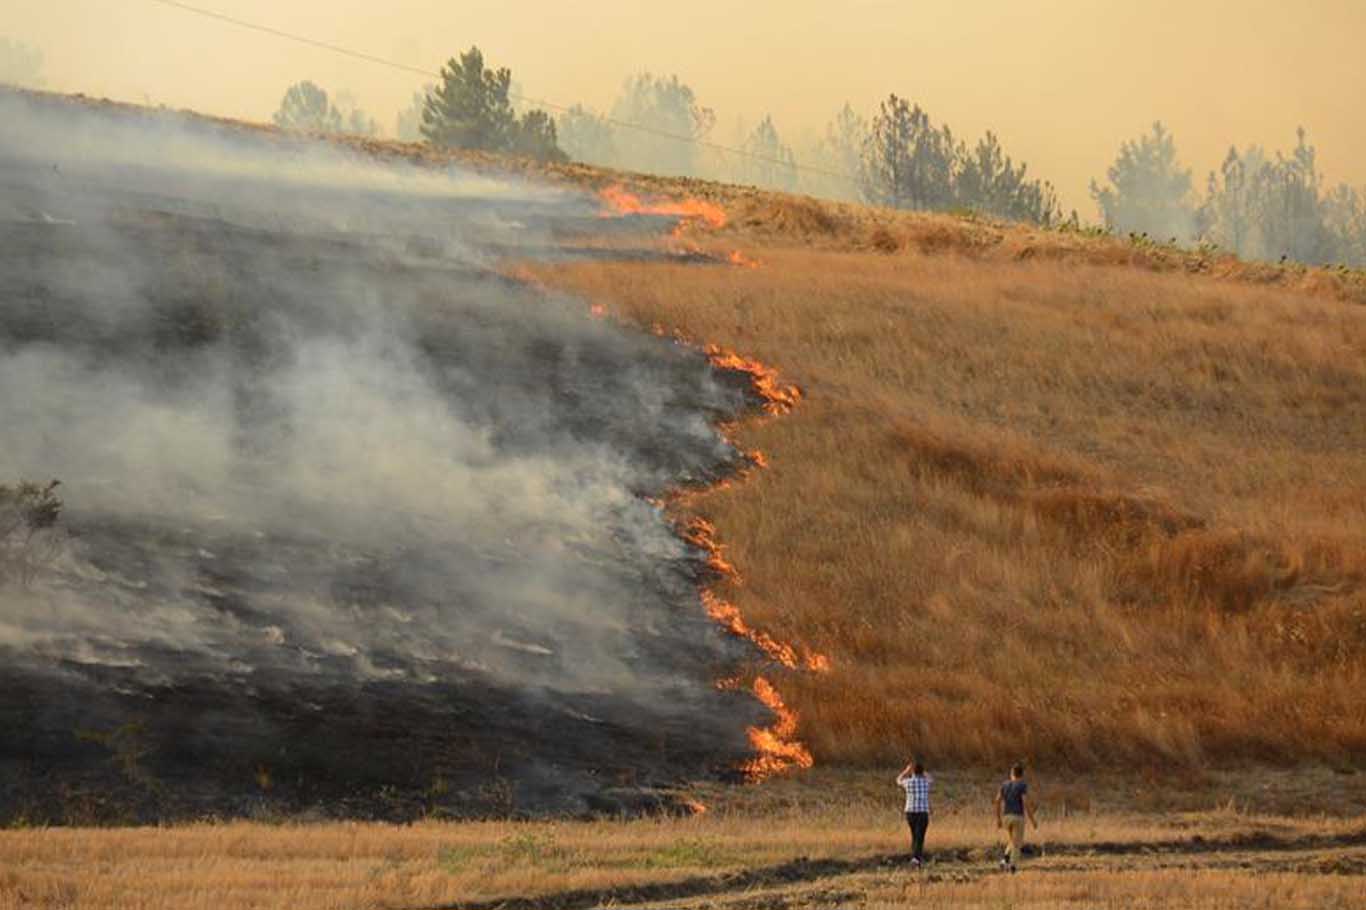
x: 818, y: 851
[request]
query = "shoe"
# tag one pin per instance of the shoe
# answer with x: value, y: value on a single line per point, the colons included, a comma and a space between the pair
x: 1012, y: 868
x: 915, y: 862
x: 1005, y: 864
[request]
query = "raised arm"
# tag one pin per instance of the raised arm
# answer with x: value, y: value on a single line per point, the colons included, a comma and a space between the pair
x: 905, y: 773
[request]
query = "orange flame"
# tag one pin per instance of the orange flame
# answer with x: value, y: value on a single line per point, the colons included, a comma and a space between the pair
x: 728, y: 615
x: 740, y: 259
x: 777, y: 745
x: 597, y: 310
x: 777, y: 748
x: 690, y: 806
x: 618, y: 201
x: 702, y: 534
x: 778, y: 397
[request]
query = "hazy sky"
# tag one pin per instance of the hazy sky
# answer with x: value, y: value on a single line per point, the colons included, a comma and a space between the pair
x: 1062, y: 82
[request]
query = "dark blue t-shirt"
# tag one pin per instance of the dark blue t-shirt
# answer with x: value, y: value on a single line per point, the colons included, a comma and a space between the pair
x: 1012, y: 794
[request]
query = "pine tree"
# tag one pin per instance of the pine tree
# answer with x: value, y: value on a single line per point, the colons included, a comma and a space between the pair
x: 472, y: 108
x: 307, y: 107
x: 907, y: 162
x: 1148, y: 191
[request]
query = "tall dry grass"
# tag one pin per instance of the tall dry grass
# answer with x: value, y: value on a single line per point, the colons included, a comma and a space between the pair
x: 1073, y: 512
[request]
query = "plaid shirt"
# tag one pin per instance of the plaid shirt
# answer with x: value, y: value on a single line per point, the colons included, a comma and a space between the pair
x: 917, y: 789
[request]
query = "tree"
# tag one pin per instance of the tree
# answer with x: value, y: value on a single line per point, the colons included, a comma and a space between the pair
x: 986, y: 180
x: 1289, y: 215
x: 1148, y: 191
x: 354, y: 120
x: 471, y: 109
x: 907, y: 162
x: 673, y: 121
x: 1265, y: 208
x: 587, y: 136
x: 1344, y: 215
x: 839, y: 153
x: 534, y: 136
x: 20, y: 64
x: 307, y: 107
x: 408, y: 123
x: 1228, y: 216
x: 770, y: 162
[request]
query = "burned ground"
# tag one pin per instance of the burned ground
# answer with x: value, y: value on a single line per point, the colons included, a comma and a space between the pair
x: 352, y: 519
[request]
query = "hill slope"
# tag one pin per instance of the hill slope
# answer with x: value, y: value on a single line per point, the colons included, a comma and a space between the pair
x: 1090, y: 506
x: 1047, y: 494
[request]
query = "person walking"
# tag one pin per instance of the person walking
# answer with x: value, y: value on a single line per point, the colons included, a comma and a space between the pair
x: 1012, y: 806
x: 916, y: 783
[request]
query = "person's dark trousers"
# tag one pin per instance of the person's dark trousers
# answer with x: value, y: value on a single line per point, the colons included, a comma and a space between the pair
x: 918, y: 821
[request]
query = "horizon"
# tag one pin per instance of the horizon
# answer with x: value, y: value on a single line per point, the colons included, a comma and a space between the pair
x: 1058, y: 57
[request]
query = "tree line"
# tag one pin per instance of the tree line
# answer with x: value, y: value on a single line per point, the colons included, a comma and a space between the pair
x: 1258, y: 205
x: 1261, y: 206
x: 896, y: 158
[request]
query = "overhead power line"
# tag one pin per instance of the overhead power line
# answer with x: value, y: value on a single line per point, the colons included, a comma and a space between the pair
x: 541, y: 102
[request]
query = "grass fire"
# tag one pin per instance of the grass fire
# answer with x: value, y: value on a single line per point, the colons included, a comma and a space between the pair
x: 449, y: 521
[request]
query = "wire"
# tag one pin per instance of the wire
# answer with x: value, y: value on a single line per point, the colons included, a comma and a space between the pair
x: 407, y: 68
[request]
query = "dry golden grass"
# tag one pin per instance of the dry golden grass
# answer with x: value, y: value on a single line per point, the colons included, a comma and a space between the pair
x: 1117, y: 889
x: 242, y: 865
x: 1047, y: 508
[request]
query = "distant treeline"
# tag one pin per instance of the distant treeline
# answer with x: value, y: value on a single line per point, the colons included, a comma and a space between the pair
x: 897, y: 158
x: 1257, y: 205
x: 1260, y: 206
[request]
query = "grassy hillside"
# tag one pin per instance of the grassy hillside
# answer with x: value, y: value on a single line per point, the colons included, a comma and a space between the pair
x: 1047, y: 494
x: 1077, y: 499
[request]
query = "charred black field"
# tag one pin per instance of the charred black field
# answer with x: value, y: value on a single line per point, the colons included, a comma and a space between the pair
x: 352, y: 520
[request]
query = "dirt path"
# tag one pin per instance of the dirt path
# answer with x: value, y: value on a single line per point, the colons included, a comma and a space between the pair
x: 1260, y: 851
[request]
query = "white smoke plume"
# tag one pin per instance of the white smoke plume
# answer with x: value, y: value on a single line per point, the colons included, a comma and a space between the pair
x: 310, y: 441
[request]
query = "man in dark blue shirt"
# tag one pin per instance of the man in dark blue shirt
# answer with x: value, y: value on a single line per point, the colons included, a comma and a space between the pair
x: 1012, y: 805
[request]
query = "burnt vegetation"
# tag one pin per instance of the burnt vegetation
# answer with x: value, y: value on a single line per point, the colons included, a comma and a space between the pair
x: 350, y: 521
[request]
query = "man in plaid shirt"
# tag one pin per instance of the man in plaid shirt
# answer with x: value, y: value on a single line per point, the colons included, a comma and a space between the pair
x: 916, y: 783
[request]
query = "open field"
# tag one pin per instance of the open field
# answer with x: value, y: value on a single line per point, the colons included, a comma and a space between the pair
x: 823, y: 842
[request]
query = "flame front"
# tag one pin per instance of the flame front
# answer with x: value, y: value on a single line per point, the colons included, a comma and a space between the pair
x: 779, y: 398
x: 618, y: 201
x: 776, y: 745
x: 702, y: 534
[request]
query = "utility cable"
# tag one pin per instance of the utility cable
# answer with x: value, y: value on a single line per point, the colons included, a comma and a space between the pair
x: 408, y: 68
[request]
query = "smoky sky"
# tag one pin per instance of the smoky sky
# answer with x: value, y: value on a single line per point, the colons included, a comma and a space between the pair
x: 308, y: 435
x: 1062, y: 82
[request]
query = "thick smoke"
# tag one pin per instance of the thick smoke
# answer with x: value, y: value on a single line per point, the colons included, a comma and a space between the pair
x: 343, y: 502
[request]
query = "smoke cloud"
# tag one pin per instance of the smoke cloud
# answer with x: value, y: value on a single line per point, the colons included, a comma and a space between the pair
x: 342, y: 501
